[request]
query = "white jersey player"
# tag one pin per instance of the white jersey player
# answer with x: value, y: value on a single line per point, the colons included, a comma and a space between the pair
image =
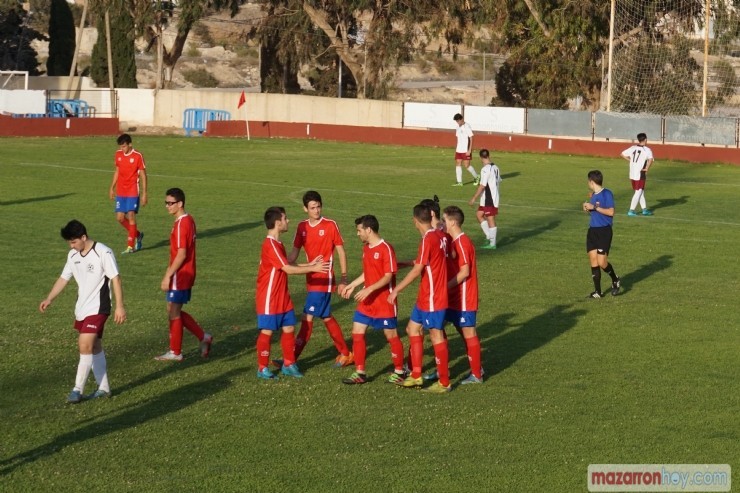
x: 640, y: 157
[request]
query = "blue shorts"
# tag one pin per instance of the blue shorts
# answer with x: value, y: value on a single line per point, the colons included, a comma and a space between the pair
x: 318, y: 304
x: 428, y: 320
x: 375, y: 323
x: 181, y: 296
x: 459, y: 318
x: 277, y: 321
x: 127, y: 204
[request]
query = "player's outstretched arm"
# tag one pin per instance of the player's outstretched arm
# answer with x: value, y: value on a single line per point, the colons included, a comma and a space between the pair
x: 142, y: 176
x: 112, y: 190
x: 347, y: 291
x: 306, y: 268
x: 58, y: 287
x: 380, y: 283
x: 410, y: 277
x: 293, y: 255
x: 342, y: 256
x: 119, y: 316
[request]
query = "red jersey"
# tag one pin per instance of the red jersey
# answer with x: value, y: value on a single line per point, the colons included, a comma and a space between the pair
x: 463, y: 297
x: 129, y: 165
x: 433, y: 287
x: 377, y: 261
x: 272, y: 282
x: 183, y: 236
x: 319, y: 239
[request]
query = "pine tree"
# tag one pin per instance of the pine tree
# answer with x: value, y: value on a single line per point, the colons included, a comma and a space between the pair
x: 122, y: 48
x: 61, y: 38
x: 16, y: 52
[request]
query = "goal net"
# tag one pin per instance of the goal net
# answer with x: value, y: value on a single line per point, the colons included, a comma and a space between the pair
x: 670, y: 58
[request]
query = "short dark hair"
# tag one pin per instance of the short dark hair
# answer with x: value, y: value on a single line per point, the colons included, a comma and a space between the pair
x: 641, y: 137
x: 596, y: 176
x: 455, y: 213
x: 423, y: 213
x: 457, y: 117
x: 177, y: 194
x: 484, y: 153
x: 368, y: 221
x: 123, y: 139
x: 311, y: 196
x: 73, y: 230
x: 433, y: 205
x: 273, y: 215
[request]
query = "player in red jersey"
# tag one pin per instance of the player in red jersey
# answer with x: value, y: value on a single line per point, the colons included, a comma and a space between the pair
x: 273, y: 303
x: 431, y: 302
x: 462, y: 288
x: 378, y: 277
x: 94, y: 268
x: 320, y: 236
x: 179, y: 278
x: 125, y: 190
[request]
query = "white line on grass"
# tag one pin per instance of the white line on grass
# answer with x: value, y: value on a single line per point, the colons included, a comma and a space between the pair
x: 376, y: 194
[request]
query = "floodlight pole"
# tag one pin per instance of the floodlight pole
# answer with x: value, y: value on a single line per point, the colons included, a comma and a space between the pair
x: 611, y: 58
x: 73, y: 68
x: 706, y: 61
x: 111, y: 84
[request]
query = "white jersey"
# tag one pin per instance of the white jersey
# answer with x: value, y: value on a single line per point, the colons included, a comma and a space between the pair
x: 639, y: 157
x: 490, y: 177
x: 93, y: 273
x: 463, y: 133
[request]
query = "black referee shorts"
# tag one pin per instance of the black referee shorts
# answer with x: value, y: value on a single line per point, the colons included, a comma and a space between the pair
x: 599, y: 239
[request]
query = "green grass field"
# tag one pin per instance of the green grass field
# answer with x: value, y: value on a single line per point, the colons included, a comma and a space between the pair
x: 650, y: 376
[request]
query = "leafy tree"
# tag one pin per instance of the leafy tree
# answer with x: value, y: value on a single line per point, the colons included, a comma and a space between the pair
x: 371, y: 39
x: 122, y: 46
x: 61, y: 38
x: 149, y: 14
x: 16, y: 52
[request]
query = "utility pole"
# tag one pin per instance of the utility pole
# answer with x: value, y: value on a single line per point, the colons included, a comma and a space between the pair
x: 73, y: 68
x: 111, y: 83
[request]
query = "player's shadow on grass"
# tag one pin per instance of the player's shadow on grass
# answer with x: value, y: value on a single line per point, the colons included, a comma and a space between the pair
x: 459, y: 365
x: 210, y: 233
x: 133, y: 416
x: 504, y: 350
x: 35, y: 199
x: 510, y: 239
x: 664, y: 203
x: 629, y: 280
x: 513, y: 174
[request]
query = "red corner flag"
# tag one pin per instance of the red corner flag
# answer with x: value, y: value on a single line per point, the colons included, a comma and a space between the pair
x: 242, y: 100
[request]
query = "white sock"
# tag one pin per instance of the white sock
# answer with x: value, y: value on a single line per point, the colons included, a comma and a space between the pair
x: 100, y: 370
x: 83, y: 371
x: 635, y: 199
x: 484, y: 227
x: 458, y: 173
x: 492, y: 238
x: 472, y: 171
x: 643, y: 202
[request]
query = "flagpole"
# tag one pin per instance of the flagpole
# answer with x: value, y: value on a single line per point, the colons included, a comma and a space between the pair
x: 243, y: 102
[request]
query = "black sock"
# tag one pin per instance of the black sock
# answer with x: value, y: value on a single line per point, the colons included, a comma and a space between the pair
x: 596, y: 277
x: 610, y: 270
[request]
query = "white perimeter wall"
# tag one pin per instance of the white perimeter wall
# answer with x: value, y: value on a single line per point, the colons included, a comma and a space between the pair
x: 22, y: 101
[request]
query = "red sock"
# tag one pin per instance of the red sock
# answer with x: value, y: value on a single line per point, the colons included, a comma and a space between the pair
x: 416, y: 348
x: 396, y: 353
x: 263, y: 350
x: 359, y: 348
x: 132, y: 235
x: 473, y: 345
x: 192, y: 326
x: 335, y: 331
x: 287, y: 341
x: 303, y: 336
x: 441, y: 357
x: 176, y: 335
